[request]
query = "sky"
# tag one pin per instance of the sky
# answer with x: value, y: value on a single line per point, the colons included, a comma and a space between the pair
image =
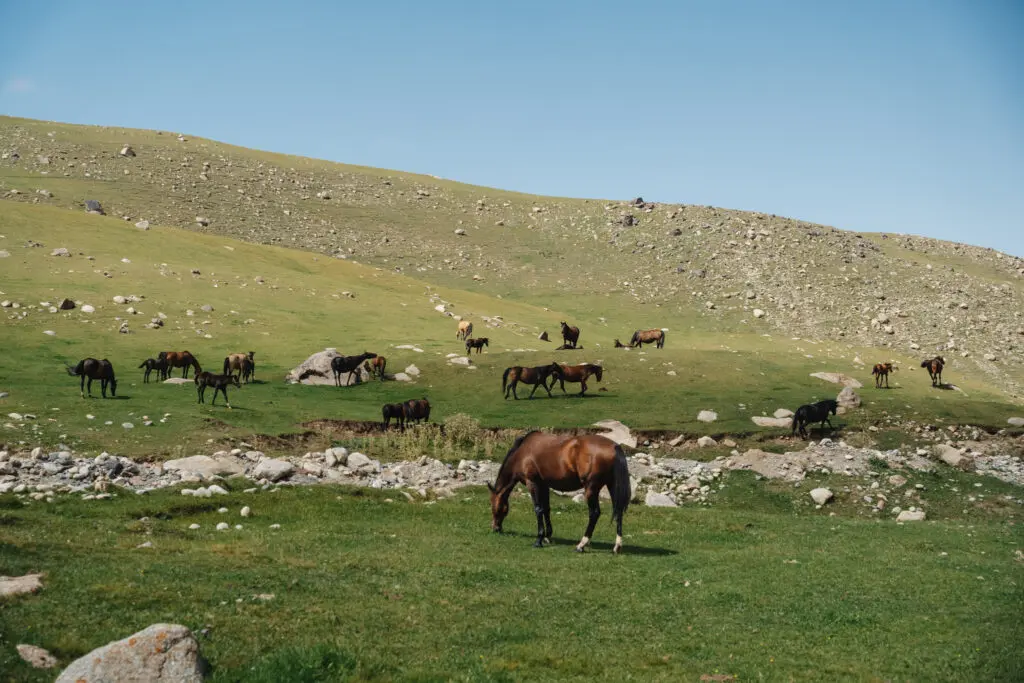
x: 866, y: 115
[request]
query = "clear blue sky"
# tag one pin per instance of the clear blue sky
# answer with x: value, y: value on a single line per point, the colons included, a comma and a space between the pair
x: 903, y: 116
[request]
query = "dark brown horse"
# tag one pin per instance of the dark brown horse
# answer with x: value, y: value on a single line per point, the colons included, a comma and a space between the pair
x: 393, y: 411
x: 342, y: 364
x: 234, y: 362
x: 570, y: 335
x: 934, y: 367
x: 90, y: 369
x: 882, y: 370
x: 179, y: 359
x: 151, y: 364
x: 479, y: 343
x: 537, y: 376
x: 415, y: 410
x: 218, y: 382
x: 377, y: 366
x: 248, y: 370
x: 565, y: 463
x: 641, y: 337
x: 576, y: 373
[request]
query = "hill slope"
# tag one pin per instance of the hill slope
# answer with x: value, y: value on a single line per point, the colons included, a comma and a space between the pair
x: 587, y: 258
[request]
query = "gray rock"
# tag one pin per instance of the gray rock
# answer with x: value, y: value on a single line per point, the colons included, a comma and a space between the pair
x: 617, y: 432
x: 16, y: 585
x: 93, y: 206
x: 911, y: 516
x: 273, y: 470
x: 37, y: 657
x: 659, y: 500
x: 357, y: 460
x: 706, y: 442
x: 60, y: 251
x: 953, y: 457
x: 848, y: 398
x: 414, y: 371
x: 162, y: 652
x: 1016, y: 421
x: 762, y: 421
x: 127, y: 151
x: 707, y: 416
x: 142, y: 225
x: 821, y: 495
x: 782, y: 413
x: 205, y: 466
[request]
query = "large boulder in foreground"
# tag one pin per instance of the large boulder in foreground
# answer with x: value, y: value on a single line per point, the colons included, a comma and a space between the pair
x: 317, y: 370
x: 163, y: 652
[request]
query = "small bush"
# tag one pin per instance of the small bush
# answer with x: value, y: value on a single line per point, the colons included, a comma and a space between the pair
x: 462, y: 430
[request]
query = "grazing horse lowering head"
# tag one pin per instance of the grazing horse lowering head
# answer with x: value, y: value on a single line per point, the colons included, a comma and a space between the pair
x: 499, y: 508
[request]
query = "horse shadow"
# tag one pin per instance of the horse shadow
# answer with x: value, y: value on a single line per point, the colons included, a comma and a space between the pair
x: 601, y: 545
x: 946, y: 386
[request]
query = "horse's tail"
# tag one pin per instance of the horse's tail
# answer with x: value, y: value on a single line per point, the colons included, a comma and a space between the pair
x: 798, y: 417
x: 504, y: 379
x: 144, y: 363
x: 621, y: 490
x: 227, y: 364
x: 661, y: 342
x: 925, y: 363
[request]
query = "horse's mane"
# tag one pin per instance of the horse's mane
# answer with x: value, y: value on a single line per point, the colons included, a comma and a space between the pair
x: 515, y: 446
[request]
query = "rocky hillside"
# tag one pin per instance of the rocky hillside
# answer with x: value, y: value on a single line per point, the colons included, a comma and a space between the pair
x: 733, y: 268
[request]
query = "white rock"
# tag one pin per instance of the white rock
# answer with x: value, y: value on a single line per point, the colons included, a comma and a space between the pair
x: 617, y: 432
x: 911, y: 516
x: 782, y: 413
x: 659, y: 500
x: 88, y: 309
x: 223, y: 526
x: 36, y: 656
x: 412, y: 371
x: 246, y: 511
x: 119, y: 299
x: 162, y: 652
x: 762, y: 421
x: 707, y: 416
x: 706, y: 442
x: 193, y: 526
x: 758, y: 313
x: 821, y: 495
x: 357, y: 460
x: 273, y: 470
x: 1016, y: 421
x: 218, y: 490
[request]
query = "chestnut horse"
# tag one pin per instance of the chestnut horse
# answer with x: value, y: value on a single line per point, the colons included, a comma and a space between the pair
x: 414, y: 410
x: 477, y: 344
x: 570, y: 335
x: 934, y: 366
x: 565, y: 463
x: 179, y: 359
x: 377, y: 366
x: 91, y: 369
x: 641, y: 337
x: 537, y: 376
x: 576, y: 373
x: 882, y: 370
x: 235, y: 362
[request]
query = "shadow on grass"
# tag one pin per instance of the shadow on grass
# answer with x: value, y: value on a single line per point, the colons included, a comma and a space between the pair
x: 594, y: 545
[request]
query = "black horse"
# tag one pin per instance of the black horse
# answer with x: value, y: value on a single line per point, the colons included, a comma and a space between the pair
x: 393, y: 411
x: 815, y: 412
x: 91, y: 369
x: 479, y: 343
x: 218, y: 382
x: 570, y: 335
x: 415, y: 410
x: 349, y: 364
x: 151, y: 364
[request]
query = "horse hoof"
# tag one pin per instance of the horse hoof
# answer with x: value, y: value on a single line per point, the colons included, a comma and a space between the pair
x: 579, y: 549
x: 538, y: 544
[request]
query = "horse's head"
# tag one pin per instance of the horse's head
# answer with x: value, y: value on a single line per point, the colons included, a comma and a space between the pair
x: 598, y: 371
x: 251, y: 355
x: 70, y: 368
x: 499, y: 507
x: 564, y: 326
x: 486, y: 341
x: 369, y: 355
x: 555, y: 369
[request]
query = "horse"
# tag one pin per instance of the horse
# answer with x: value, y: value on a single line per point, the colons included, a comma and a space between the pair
x: 570, y: 335
x: 179, y: 359
x: 234, y: 362
x: 395, y: 411
x: 641, y: 337
x: 91, y: 369
x: 248, y: 370
x: 882, y: 370
x: 349, y: 364
x: 218, y: 382
x: 377, y: 366
x: 151, y: 364
x: 576, y: 373
x: 565, y: 463
x: 815, y: 412
x: 537, y: 376
x: 415, y: 410
x: 477, y: 344
x: 465, y: 329
x: 934, y: 366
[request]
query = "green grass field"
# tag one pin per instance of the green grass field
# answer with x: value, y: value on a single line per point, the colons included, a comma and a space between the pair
x: 368, y: 586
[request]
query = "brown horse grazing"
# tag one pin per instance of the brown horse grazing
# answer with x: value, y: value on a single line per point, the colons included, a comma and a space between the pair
x: 393, y: 411
x: 377, y: 366
x: 218, y: 382
x: 934, y: 366
x: 576, y: 373
x: 465, y: 329
x: 415, y: 410
x: 882, y: 370
x: 91, y: 369
x: 565, y: 463
x: 342, y: 364
x: 152, y: 364
x: 234, y: 362
x: 537, y: 376
x: 641, y: 337
x: 179, y: 359
x: 477, y: 344
x: 570, y: 335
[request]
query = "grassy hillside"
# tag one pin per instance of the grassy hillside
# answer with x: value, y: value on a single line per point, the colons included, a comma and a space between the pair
x: 590, y: 259
x: 286, y: 304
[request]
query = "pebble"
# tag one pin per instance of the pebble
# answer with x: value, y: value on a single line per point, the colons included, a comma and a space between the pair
x: 193, y: 526
x: 246, y: 511
x: 223, y: 526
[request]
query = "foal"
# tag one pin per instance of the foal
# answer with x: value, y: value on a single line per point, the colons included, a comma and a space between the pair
x: 218, y: 382
x: 882, y: 370
x: 151, y: 364
x: 479, y: 343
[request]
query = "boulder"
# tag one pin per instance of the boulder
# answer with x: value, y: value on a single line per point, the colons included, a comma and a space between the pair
x: 707, y: 416
x: 412, y: 371
x: 758, y: 313
x: 617, y: 432
x: 706, y: 442
x: 357, y: 460
x: 142, y: 225
x: 821, y: 495
x: 317, y: 370
x: 66, y: 305
x: 848, y: 398
x: 782, y: 413
x: 93, y: 206
x: 88, y: 309
x: 1016, y: 421
x: 911, y: 516
x: 206, y: 466
x: 953, y: 457
x: 659, y: 500
x: 127, y: 151
x: 273, y: 470
x: 162, y: 652
x: 762, y: 421
x: 60, y: 251
x: 16, y: 585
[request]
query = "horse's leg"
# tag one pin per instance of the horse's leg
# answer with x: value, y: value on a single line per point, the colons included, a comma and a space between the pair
x: 535, y: 389
x: 103, y: 387
x: 225, y: 392
x: 545, y: 503
x: 81, y: 386
x: 583, y: 386
x: 88, y: 387
x: 538, y: 509
x: 594, y: 503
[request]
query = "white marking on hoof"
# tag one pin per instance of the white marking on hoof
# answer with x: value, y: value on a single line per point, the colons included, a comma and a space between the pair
x: 583, y: 544
x: 618, y: 545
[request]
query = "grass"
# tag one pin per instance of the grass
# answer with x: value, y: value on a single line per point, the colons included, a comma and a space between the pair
x: 368, y: 586
x: 300, y: 308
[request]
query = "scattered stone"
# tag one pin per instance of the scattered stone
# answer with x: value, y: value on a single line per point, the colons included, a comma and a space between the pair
x: 127, y: 151
x: 162, y: 652
x: 94, y: 207
x: 783, y: 413
x: 706, y: 442
x: 821, y: 495
x: 617, y: 432
x: 142, y: 225
x: 88, y: 309
x: 762, y: 421
x: 897, y: 480
x: 223, y: 526
x: 758, y: 313
x: 16, y: 585
x: 1016, y: 421
x: 953, y: 457
x: 202, y: 221
x: 911, y: 516
x: 659, y: 500
x: 37, y: 657
x: 60, y: 251
x: 246, y: 511
x: 707, y: 416
x: 273, y: 470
